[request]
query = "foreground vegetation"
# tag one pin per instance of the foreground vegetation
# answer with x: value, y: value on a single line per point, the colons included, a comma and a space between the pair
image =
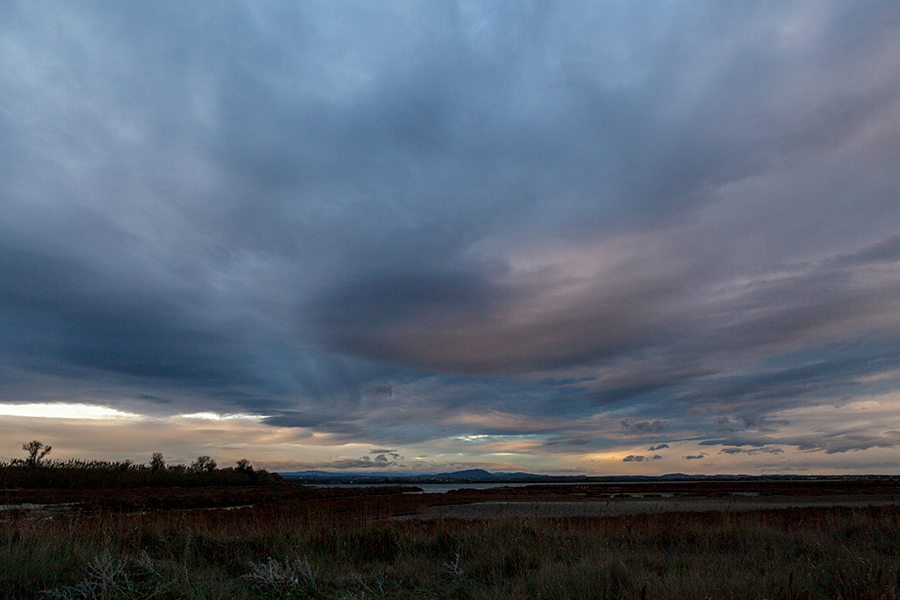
x: 314, y: 550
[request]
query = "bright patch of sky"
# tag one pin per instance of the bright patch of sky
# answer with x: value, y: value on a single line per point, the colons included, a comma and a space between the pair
x: 64, y: 411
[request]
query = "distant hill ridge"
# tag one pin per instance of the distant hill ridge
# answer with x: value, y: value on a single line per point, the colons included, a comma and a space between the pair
x: 483, y: 476
x: 465, y: 475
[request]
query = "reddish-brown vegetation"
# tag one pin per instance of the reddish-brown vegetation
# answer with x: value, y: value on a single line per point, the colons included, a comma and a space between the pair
x: 304, y: 542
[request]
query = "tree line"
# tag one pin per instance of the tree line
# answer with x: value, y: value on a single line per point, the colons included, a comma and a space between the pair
x: 36, y: 470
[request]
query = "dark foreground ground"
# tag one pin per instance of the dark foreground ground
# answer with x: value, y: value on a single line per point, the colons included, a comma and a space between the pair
x: 717, y: 539
x: 605, y: 499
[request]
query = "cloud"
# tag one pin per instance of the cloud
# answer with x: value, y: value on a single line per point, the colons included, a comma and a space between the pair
x: 730, y: 451
x: 562, y: 221
x: 153, y: 399
x: 566, y: 441
x: 640, y: 458
x: 752, y: 451
x: 643, y: 427
x: 836, y: 437
x: 695, y: 456
x: 382, y: 456
x: 350, y: 464
x: 659, y: 447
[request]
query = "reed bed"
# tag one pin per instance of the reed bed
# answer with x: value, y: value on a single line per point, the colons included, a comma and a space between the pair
x: 298, y: 550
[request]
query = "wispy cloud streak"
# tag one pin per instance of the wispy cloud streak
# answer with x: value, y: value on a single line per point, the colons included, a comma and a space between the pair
x: 586, y: 225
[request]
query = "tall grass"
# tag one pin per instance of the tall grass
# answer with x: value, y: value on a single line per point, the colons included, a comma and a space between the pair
x: 298, y: 551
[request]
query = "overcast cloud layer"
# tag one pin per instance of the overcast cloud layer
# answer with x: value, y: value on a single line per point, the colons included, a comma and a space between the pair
x: 526, y: 235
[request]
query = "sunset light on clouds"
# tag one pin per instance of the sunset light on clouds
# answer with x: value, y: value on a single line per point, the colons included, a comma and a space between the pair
x: 554, y: 237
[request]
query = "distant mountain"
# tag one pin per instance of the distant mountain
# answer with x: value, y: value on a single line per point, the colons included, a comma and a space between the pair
x: 320, y: 474
x: 468, y: 475
x: 481, y: 474
x: 329, y: 475
x: 478, y: 476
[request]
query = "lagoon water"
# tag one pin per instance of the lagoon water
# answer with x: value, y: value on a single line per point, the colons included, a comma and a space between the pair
x: 439, y: 488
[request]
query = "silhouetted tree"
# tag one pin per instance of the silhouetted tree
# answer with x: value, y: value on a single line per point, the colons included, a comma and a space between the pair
x: 203, y: 464
x: 36, y: 453
x: 244, y: 466
x: 157, y: 464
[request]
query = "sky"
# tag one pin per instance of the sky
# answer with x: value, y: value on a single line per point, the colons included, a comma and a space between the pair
x: 418, y: 236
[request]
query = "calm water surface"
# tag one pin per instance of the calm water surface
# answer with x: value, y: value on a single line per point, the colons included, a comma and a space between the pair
x: 437, y: 488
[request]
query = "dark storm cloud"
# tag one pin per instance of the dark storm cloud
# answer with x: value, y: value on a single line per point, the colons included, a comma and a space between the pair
x: 643, y: 427
x: 363, y: 462
x: 315, y: 420
x: 885, y: 252
x: 827, y: 371
x: 372, y: 220
x: 59, y: 310
x: 640, y: 458
x: 153, y: 399
x: 369, y: 316
x: 834, y: 442
x: 752, y: 451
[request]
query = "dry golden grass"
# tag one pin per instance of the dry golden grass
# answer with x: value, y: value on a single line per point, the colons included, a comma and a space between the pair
x: 341, y: 549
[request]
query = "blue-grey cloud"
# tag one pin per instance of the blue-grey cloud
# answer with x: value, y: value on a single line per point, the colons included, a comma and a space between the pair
x: 643, y: 427
x: 640, y: 458
x: 328, y: 216
x: 567, y: 441
x: 832, y: 442
x: 731, y: 450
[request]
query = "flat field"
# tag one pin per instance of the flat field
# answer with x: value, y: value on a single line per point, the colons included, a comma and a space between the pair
x: 663, y: 540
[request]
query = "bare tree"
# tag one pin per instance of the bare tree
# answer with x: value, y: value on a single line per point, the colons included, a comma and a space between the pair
x: 203, y: 464
x: 36, y: 453
x: 157, y: 464
x: 244, y: 466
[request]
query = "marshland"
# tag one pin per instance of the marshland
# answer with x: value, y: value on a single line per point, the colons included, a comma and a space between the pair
x: 237, y: 538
